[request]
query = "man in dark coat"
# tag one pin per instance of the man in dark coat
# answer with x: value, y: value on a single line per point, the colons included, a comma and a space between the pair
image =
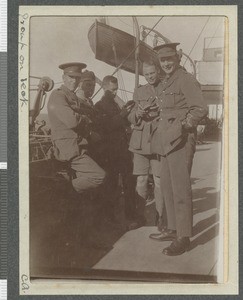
x: 144, y: 162
x: 84, y: 93
x: 70, y: 130
x: 115, y: 157
x: 181, y: 108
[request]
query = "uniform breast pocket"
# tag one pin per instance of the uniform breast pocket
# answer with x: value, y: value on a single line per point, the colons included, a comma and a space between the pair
x: 136, y: 138
x: 171, y: 99
x: 143, y: 102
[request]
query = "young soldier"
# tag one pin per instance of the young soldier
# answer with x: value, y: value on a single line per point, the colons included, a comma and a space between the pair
x: 181, y: 108
x: 144, y: 162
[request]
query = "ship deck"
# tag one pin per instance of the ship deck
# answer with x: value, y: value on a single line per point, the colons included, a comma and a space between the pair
x: 114, y: 253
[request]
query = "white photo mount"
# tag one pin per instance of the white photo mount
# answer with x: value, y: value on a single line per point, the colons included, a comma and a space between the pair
x: 30, y: 20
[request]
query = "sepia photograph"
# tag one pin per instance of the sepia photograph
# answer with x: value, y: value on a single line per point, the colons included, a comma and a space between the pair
x: 124, y: 127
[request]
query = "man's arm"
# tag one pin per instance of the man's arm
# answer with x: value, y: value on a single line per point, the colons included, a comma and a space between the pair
x: 137, y: 112
x: 195, y: 101
x: 59, y: 107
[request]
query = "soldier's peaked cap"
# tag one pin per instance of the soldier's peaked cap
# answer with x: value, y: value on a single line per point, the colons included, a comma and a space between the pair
x: 73, y: 68
x: 166, y: 50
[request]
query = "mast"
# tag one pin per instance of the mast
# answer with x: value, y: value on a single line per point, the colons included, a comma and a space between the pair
x: 136, y: 51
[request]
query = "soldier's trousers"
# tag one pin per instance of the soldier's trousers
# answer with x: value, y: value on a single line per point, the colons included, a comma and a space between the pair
x: 89, y: 175
x: 143, y: 165
x: 176, y: 187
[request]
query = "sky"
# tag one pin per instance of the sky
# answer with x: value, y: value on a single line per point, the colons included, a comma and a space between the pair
x: 57, y: 40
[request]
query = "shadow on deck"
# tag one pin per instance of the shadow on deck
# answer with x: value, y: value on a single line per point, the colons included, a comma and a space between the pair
x: 69, y: 240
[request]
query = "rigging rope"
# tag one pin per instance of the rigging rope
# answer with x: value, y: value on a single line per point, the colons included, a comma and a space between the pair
x: 35, y: 77
x: 123, y: 87
x: 196, y: 40
x: 124, y: 22
x: 125, y: 59
x: 119, y: 74
x: 213, y: 34
x: 125, y: 91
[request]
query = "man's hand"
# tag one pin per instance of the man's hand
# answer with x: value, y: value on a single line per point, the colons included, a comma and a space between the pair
x: 85, y: 119
x: 130, y: 103
x: 141, y: 112
x: 188, y: 122
x: 126, y: 110
x: 80, y: 93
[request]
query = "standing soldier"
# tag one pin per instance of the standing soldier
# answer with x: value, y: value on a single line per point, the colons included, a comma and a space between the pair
x: 115, y: 159
x: 142, y: 115
x: 181, y: 108
x: 70, y: 130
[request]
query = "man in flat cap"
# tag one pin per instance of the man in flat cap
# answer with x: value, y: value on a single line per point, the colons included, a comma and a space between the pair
x: 144, y: 162
x: 181, y: 108
x: 70, y: 128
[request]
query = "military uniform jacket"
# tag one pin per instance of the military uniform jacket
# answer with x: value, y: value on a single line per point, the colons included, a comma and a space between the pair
x: 68, y: 125
x: 180, y: 101
x: 140, y: 141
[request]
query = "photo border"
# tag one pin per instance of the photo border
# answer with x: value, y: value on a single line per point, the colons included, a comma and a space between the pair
x: 24, y: 214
